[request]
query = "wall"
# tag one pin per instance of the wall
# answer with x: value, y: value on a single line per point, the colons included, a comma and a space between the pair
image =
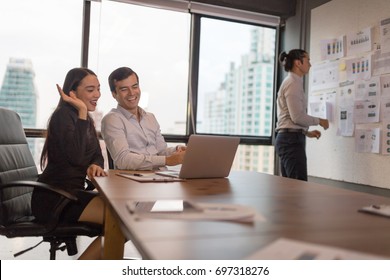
x: 334, y: 157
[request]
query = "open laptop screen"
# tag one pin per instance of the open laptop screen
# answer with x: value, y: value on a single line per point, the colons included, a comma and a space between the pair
x: 207, y: 156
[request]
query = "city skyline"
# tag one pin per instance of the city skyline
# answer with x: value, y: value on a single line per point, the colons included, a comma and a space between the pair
x: 251, y: 55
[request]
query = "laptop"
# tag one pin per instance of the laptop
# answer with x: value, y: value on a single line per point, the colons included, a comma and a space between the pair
x: 207, y: 156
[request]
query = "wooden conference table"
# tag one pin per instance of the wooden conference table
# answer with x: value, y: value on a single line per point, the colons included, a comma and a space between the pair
x: 293, y: 209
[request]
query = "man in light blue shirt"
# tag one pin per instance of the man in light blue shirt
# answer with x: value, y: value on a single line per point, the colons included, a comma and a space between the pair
x: 131, y: 134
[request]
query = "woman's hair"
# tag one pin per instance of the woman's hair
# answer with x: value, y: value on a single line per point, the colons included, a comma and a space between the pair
x: 119, y: 75
x: 72, y: 81
x: 287, y: 59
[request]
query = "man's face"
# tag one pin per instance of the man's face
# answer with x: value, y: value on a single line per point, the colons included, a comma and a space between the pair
x: 305, y: 64
x: 127, y: 93
x: 302, y: 66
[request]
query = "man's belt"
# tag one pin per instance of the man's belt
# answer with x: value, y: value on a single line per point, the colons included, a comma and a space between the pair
x: 291, y: 130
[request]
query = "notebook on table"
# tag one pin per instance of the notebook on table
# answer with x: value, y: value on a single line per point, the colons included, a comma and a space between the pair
x: 207, y: 156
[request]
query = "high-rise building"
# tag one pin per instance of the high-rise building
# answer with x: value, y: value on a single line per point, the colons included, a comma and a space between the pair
x: 243, y: 103
x: 18, y: 91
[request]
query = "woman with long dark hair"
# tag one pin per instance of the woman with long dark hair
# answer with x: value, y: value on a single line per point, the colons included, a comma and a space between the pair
x: 71, y: 152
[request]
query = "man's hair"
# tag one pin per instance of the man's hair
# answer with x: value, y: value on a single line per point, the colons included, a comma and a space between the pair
x: 287, y: 59
x: 119, y: 75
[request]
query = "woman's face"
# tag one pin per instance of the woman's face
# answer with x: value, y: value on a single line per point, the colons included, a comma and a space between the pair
x: 89, y: 91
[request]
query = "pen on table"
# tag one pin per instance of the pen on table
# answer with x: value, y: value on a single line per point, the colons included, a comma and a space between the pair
x: 132, y: 174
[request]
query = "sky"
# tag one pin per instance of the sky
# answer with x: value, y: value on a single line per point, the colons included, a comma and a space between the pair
x: 53, y: 48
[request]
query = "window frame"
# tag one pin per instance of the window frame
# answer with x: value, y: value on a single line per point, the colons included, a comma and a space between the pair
x: 197, y: 11
x: 194, y: 79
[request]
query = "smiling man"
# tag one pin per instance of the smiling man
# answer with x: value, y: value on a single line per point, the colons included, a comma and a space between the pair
x: 131, y: 134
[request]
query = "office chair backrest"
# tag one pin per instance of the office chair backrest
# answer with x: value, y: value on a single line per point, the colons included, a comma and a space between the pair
x: 16, y: 163
x: 110, y: 160
x: 18, y: 175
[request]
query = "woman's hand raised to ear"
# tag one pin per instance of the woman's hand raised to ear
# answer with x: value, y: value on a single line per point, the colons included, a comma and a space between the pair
x: 74, y: 101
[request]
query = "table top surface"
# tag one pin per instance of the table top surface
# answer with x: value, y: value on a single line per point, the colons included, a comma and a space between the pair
x: 292, y: 209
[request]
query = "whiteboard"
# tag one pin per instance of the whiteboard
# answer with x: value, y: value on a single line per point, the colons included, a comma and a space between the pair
x: 334, y: 156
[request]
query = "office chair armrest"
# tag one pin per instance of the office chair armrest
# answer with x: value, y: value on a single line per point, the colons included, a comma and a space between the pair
x: 39, y: 185
x: 54, y: 216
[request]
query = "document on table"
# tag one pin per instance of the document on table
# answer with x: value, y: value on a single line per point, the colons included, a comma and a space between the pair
x: 193, y: 211
x: 148, y: 177
x: 381, y: 210
x: 288, y: 249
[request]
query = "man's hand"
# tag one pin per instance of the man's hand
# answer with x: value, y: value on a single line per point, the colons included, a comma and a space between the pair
x: 314, y: 133
x: 175, y: 159
x: 324, y: 123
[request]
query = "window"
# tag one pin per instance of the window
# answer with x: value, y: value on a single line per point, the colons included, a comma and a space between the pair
x: 40, y: 42
x: 236, y: 69
x: 155, y: 44
x: 228, y: 62
x: 229, y: 51
x: 38, y: 46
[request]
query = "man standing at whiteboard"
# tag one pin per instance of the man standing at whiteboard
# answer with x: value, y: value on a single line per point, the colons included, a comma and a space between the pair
x: 293, y: 120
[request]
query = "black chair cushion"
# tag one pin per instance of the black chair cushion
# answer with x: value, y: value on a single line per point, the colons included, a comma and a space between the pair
x: 30, y: 229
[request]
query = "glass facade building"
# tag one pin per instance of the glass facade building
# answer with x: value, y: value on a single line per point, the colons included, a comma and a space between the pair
x: 243, y: 104
x: 18, y: 91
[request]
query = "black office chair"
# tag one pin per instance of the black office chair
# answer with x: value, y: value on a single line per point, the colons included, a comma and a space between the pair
x: 18, y: 175
x: 111, y: 164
